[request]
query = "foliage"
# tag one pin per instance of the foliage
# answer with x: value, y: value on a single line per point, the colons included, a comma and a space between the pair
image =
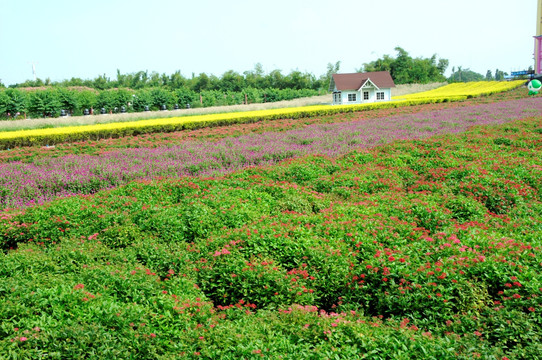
x: 161, y: 97
x: 44, y: 103
x: 4, y: 101
x: 86, y: 99
x: 77, y: 100
x: 229, y: 81
x: 407, y: 70
x: 142, y: 100
x: 465, y: 75
x: 15, y: 102
x: 425, y: 248
x: 114, y: 100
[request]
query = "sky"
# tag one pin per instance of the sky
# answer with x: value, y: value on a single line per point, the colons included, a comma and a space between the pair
x: 84, y: 39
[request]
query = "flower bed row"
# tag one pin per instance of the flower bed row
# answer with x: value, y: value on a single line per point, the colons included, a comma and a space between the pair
x: 53, y: 136
x: 469, y: 89
x: 425, y: 248
x: 99, y: 147
x: 24, y: 184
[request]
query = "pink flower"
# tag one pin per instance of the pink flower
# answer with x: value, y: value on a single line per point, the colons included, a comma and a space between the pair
x: 23, y: 338
x: 152, y: 335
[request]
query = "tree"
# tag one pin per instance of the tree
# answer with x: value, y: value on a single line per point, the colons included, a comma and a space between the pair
x: 499, y: 75
x: 383, y: 64
x: 161, y: 97
x: 185, y: 96
x: 442, y: 66
x: 67, y: 99
x: 141, y: 99
x: 4, y: 101
x: 44, y: 103
x: 256, y: 78
x: 325, y: 80
x: 154, y: 80
x: 489, y: 76
x: 297, y: 80
x: 404, y: 69
x: 276, y: 79
x: 139, y: 80
x: 86, y: 99
x: 200, y: 83
x: 231, y: 81
x: 177, y: 81
x: 101, y: 83
x: 17, y: 101
x: 465, y: 75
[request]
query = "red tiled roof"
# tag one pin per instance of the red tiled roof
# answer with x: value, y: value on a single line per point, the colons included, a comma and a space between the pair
x: 353, y: 81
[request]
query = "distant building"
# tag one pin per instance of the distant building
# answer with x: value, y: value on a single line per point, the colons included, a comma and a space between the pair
x: 359, y: 88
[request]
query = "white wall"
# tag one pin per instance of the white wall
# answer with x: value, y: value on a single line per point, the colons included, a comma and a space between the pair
x: 359, y: 96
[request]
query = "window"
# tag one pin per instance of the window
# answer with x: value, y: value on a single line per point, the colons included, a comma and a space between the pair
x: 365, y: 95
x: 351, y: 97
x: 380, y: 96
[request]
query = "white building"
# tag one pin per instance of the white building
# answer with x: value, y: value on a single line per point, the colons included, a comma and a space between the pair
x: 358, y: 88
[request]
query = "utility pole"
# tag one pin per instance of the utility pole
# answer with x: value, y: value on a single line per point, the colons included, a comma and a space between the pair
x: 34, y: 70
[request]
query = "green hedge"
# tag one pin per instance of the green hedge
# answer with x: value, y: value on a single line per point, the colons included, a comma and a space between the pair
x: 49, y: 102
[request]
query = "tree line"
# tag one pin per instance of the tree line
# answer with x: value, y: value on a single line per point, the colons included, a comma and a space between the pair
x: 52, y: 101
x: 466, y: 75
x: 142, y: 90
x: 229, y: 81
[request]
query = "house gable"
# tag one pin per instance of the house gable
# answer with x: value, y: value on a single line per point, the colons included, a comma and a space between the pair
x: 368, y: 84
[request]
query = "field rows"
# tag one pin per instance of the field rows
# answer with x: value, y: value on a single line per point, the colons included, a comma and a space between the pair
x: 51, y: 136
x: 412, y: 235
x: 25, y: 184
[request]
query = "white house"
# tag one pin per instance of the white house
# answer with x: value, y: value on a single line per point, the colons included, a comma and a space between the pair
x: 358, y: 88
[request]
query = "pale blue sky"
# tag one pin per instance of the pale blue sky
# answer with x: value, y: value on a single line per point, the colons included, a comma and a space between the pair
x: 70, y: 38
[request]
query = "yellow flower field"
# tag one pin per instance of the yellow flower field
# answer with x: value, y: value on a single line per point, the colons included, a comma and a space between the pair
x: 469, y: 89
